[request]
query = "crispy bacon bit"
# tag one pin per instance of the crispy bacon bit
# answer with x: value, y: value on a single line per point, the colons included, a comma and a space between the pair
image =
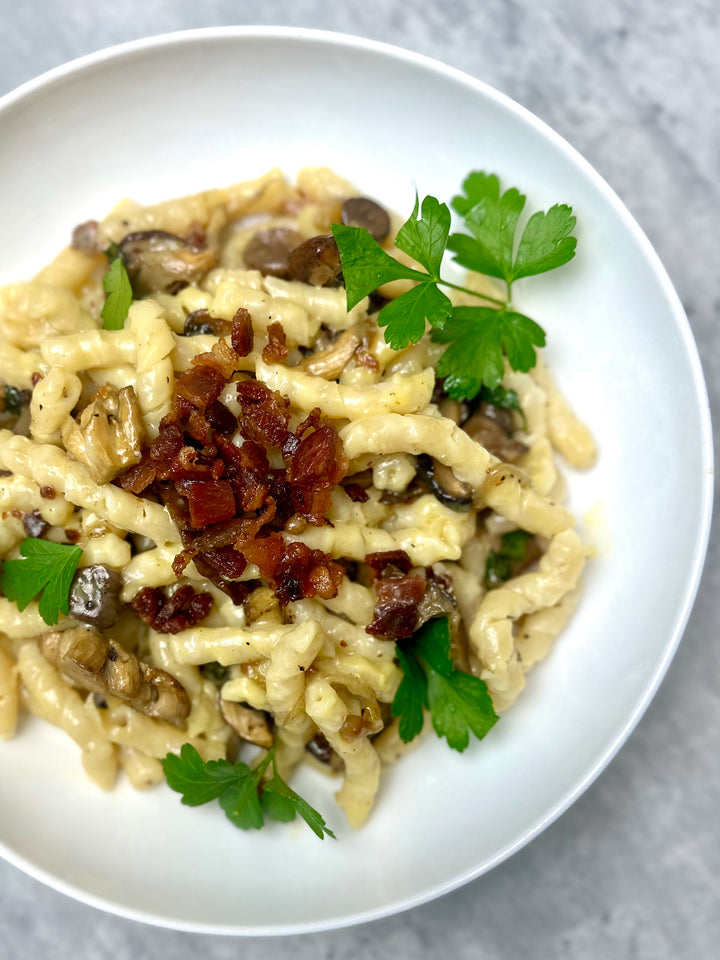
x: 229, y: 504
x: 378, y: 562
x: 242, y: 333
x: 222, y: 358
x: 276, y: 350
x: 220, y: 418
x: 48, y: 493
x: 356, y: 492
x: 227, y: 561
x: 210, y: 501
x: 264, y: 414
x: 201, y: 385
x: 396, y: 608
x: 318, y: 465
x: 182, y: 610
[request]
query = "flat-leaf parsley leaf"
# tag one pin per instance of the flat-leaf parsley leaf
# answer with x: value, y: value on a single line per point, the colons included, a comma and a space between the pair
x: 116, y: 285
x: 458, y: 702
x: 48, y: 569
x: 479, y: 338
x: 242, y: 792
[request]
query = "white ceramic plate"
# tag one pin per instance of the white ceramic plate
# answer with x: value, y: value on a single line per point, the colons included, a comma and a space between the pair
x: 173, y: 114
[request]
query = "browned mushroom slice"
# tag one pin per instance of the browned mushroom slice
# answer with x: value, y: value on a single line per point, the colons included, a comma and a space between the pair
x: 316, y: 261
x: 86, y: 237
x: 89, y: 661
x: 110, y: 434
x: 95, y: 595
x: 159, y: 261
x: 363, y: 212
x: 320, y: 750
x: 437, y: 601
x: 200, y: 321
x: 489, y: 434
x: 330, y: 363
x: 268, y: 251
x: 249, y: 724
x: 450, y: 491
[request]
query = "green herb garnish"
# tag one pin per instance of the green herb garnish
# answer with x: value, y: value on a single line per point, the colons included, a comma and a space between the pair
x: 49, y: 569
x: 480, y: 337
x: 500, y: 563
x: 118, y: 288
x: 241, y: 791
x: 13, y: 401
x: 457, y: 701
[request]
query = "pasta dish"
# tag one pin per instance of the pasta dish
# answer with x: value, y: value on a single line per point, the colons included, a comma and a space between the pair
x: 248, y: 502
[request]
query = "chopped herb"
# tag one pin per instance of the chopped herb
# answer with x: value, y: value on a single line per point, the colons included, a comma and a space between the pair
x: 48, y: 569
x: 241, y: 791
x: 116, y: 285
x: 500, y: 563
x: 478, y: 338
x: 13, y: 401
x: 216, y: 672
x: 459, y: 703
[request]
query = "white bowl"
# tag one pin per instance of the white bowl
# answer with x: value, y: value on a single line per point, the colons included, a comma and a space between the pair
x: 165, y: 116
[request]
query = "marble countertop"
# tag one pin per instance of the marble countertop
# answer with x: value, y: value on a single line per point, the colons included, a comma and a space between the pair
x: 632, y: 869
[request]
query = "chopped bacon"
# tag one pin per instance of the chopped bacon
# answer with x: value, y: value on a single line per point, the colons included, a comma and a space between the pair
x: 378, y: 562
x: 396, y: 607
x: 182, y: 610
x: 222, y: 358
x: 210, y: 501
x: 356, y: 493
x: 227, y: 561
x: 276, y: 350
x: 264, y: 416
x: 242, y: 333
x: 201, y: 385
x: 220, y: 418
x: 229, y: 504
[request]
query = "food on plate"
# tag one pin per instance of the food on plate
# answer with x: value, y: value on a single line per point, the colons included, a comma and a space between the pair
x: 273, y: 484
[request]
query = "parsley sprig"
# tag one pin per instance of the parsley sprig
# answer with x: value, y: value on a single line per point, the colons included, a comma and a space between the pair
x: 457, y: 701
x: 478, y: 337
x: 242, y: 792
x: 48, y: 569
x: 117, y: 286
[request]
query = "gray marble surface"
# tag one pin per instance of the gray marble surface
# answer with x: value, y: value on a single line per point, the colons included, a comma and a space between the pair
x: 633, y: 869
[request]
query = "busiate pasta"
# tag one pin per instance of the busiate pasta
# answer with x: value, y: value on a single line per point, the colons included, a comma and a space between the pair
x: 211, y: 641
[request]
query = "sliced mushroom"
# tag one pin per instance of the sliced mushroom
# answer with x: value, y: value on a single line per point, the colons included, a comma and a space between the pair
x: 489, y: 434
x: 437, y: 601
x: 363, y: 212
x: 500, y: 415
x: 268, y: 251
x: 330, y: 363
x: 86, y: 237
x: 249, y: 724
x: 159, y: 261
x: 316, y: 261
x: 445, y: 485
x: 110, y: 433
x: 262, y: 604
x: 320, y: 750
x: 95, y: 595
x: 200, y: 321
x: 87, y: 660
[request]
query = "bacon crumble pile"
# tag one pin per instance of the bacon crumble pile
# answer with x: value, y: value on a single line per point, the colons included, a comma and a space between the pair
x: 229, y: 503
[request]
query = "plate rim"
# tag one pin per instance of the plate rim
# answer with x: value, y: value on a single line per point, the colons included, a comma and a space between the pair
x: 701, y: 538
